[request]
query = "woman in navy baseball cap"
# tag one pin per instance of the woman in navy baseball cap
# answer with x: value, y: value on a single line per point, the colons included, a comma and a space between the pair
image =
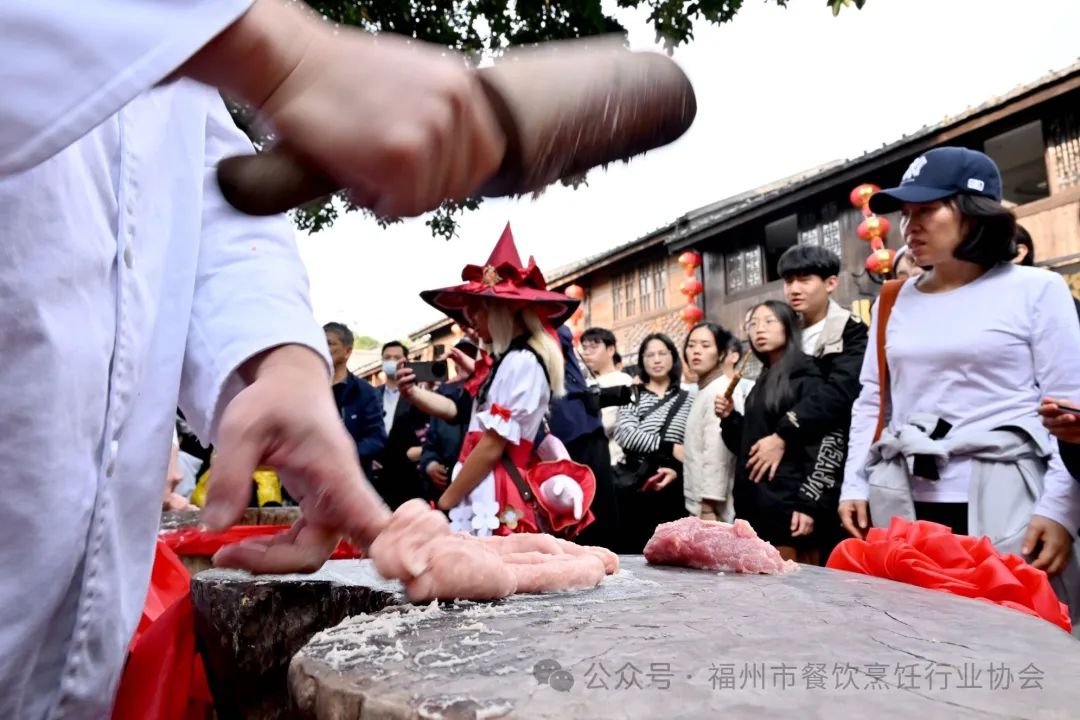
x: 970, y: 347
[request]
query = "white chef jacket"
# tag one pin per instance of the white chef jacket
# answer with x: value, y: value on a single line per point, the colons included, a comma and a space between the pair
x: 126, y: 282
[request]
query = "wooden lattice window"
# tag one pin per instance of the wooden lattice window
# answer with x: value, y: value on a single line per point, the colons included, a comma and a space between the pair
x: 1064, y: 145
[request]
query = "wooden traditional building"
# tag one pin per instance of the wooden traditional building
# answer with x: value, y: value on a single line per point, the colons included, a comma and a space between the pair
x: 1033, y: 134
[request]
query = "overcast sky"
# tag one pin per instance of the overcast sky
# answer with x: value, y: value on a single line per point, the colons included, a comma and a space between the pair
x: 779, y: 91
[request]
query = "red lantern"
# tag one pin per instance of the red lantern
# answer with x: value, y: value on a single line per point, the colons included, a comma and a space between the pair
x: 579, y: 314
x: 880, y: 262
x: 872, y: 227
x: 860, y: 196
x: 876, y: 243
x: 690, y: 261
x: 691, y: 288
x: 692, y: 314
x: 575, y: 291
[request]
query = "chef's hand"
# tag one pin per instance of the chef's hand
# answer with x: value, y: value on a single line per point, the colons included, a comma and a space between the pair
x: 722, y: 406
x: 286, y: 419
x: 401, y: 124
x: 1063, y: 425
x: 855, y: 517
x: 765, y: 457
x: 1053, y: 541
x: 801, y: 524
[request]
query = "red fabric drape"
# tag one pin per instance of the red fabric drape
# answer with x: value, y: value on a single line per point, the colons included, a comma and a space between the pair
x: 164, y: 677
x: 929, y: 555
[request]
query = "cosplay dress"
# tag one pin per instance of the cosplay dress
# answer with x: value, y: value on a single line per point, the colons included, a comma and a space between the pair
x: 512, y: 402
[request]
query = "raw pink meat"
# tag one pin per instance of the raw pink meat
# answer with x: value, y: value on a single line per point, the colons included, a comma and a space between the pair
x: 708, y: 545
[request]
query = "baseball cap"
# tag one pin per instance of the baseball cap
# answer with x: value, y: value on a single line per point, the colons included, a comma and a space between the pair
x: 941, y: 173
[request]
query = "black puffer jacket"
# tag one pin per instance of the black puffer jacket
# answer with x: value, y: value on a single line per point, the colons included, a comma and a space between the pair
x: 797, y: 486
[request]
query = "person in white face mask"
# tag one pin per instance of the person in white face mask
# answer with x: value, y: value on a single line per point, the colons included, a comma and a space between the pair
x: 396, y: 475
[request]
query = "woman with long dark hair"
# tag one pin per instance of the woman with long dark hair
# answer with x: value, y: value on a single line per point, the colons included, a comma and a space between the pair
x: 650, y: 431
x: 784, y: 509
x: 946, y: 427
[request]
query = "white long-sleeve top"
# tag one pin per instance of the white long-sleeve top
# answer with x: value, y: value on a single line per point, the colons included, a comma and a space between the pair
x: 708, y: 465
x: 127, y: 282
x: 980, y: 356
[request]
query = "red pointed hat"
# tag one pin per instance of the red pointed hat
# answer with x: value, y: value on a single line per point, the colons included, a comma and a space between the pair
x: 503, y: 277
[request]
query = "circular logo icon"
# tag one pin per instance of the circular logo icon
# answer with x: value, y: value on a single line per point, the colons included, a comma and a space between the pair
x: 561, y: 680
x: 543, y: 670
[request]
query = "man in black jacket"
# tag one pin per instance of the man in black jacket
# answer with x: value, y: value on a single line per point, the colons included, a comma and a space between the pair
x: 442, y: 445
x: 356, y: 400
x: 836, y: 339
x: 396, y: 475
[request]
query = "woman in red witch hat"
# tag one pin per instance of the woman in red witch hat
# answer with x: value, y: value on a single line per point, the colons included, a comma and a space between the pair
x: 501, y: 484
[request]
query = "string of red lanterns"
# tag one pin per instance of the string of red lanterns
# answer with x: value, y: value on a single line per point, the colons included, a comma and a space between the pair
x: 691, y: 287
x: 873, y: 230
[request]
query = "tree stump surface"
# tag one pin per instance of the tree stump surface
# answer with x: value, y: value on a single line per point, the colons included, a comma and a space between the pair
x: 248, y: 628
x: 656, y: 642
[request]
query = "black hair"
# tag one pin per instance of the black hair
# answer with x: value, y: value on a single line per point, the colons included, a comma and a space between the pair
x: 599, y: 334
x: 616, y: 359
x: 808, y: 260
x: 721, y: 337
x: 775, y: 381
x: 1023, y: 237
x: 990, y: 239
x: 675, y: 376
x: 344, y: 334
x: 395, y: 343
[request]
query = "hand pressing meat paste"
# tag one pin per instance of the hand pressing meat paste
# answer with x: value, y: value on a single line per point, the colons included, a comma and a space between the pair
x: 418, y: 548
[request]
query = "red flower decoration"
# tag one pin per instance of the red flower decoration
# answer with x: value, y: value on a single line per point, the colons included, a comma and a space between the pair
x: 930, y: 556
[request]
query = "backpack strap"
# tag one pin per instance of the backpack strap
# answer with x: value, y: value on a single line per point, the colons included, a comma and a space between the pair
x: 889, y: 292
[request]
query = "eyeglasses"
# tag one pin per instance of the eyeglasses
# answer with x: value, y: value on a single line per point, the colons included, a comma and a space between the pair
x: 762, y: 324
x: 591, y: 346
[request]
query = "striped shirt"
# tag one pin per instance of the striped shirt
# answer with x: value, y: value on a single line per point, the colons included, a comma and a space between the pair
x: 637, y: 429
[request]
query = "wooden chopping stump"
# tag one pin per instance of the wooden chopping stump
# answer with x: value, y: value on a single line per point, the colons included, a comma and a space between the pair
x: 657, y: 642
x: 248, y: 628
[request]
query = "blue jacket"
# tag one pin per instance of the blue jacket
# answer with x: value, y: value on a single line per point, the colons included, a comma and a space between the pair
x: 444, y: 439
x: 570, y: 418
x: 361, y: 411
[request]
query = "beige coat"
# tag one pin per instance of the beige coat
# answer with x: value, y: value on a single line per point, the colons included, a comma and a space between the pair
x: 709, y: 467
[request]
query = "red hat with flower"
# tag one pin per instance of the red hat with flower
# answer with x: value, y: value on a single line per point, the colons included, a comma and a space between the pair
x: 503, y: 278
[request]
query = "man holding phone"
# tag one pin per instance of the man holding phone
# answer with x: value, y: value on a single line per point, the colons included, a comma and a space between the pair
x: 395, y: 473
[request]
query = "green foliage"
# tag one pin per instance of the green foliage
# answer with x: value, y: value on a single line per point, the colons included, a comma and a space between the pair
x: 365, y: 342
x: 488, y: 26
